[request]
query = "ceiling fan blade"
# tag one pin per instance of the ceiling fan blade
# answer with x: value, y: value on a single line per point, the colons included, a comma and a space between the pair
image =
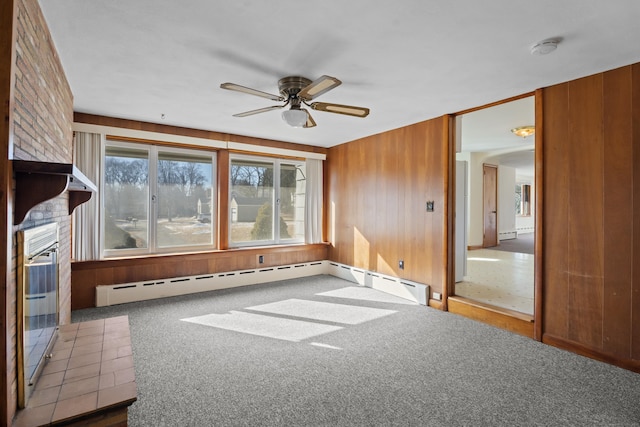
x: 258, y: 111
x: 238, y: 88
x: 310, y: 122
x: 318, y: 87
x: 349, y: 110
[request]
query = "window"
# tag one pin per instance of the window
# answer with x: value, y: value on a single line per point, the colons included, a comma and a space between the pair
x: 157, y: 199
x: 262, y: 190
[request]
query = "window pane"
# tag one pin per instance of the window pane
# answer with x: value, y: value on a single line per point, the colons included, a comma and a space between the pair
x: 184, y: 204
x: 251, y: 201
x: 292, y: 199
x: 126, y: 198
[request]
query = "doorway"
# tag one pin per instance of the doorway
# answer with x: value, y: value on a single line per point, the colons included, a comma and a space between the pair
x: 498, y: 257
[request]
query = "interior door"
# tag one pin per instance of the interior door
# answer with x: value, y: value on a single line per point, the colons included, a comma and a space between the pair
x: 490, y: 205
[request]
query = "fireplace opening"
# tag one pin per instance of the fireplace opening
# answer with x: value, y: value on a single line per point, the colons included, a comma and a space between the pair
x: 37, y: 303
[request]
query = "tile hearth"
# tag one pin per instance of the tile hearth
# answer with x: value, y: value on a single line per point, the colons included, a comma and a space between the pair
x: 90, y: 374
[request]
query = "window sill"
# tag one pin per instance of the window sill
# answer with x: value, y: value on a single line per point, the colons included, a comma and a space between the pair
x: 195, y: 254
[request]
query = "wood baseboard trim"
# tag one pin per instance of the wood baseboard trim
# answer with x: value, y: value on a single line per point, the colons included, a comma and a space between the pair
x: 438, y: 305
x: 502, y: 318
x: 574, y: 347
x: 475, y: 247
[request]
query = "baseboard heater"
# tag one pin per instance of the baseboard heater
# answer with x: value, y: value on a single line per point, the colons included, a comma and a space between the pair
x: 525, y: 230
x: 153, y: 289
x: 407, y: 289
x: 507, y: 235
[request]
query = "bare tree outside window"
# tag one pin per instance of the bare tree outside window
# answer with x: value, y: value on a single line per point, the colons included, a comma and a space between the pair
x: 125, y: 198
x: 260, y: 192
x: 167, y: 206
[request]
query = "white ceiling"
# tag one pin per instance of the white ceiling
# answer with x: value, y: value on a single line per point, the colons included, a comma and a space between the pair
x: 489, y: 131
x: 407, y: 60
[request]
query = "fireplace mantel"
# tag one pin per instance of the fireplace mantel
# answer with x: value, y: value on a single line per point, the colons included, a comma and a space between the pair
x: 37, y: 182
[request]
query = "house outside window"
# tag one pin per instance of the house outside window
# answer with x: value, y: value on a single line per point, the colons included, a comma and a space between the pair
x: 157, y: 199
x: 266, y: 201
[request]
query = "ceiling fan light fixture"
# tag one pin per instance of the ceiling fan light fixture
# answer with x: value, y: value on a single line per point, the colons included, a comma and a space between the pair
x: 295, y: 117
x: 524, y: 131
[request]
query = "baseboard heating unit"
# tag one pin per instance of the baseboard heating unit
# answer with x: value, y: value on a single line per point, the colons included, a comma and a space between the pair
x: 507, y: 235
x: 413, y: 291
x: 152, y: 289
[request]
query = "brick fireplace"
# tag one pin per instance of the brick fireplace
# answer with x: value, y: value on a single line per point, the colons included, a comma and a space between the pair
x: 39, y: 128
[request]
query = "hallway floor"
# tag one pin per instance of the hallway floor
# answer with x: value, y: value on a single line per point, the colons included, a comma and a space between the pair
x: 503, y: 279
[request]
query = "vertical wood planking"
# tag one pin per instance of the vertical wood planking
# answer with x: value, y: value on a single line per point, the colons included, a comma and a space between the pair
x: 371, y: 203
x: 555, y: 214
x: 381, y: 184
x: 417, y: 181
x: 359, y: 194
x: 586, y: 269
x: 441, y: 129
x: 381, y: 210
x: 391, y: 253
x: 330, y: 171
x: 411, y: 176
x: 591, y: 295
x: 618, y: 211
x: 436, y: 222
x: 334, y: 159
x: 635, y: 288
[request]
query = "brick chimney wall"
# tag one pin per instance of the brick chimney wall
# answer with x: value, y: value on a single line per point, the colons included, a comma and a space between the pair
x: 42, y: 116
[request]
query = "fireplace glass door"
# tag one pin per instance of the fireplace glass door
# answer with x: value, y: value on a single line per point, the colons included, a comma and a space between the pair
x: 39, y: 300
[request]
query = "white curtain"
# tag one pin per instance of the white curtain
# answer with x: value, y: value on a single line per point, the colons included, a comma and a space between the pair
x: 313, y: 205
x: 86, y: 219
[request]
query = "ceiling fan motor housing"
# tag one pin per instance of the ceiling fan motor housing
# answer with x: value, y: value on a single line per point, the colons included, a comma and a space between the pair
x: 290, y: 86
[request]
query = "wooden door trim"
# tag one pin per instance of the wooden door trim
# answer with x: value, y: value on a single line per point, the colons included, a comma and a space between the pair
x: 539, y: 205
x: 450, y: 191
x: 538, y: 259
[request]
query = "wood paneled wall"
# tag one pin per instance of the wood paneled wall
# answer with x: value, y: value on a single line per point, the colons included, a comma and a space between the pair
x: 591, y: 295
x: 86, y: 275
x: 376, y: 190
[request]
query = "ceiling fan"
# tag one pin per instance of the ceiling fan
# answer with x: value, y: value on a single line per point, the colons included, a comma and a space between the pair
x: 296, y: 91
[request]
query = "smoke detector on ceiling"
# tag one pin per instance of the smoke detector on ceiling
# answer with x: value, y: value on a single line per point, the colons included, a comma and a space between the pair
x: 544, y: 47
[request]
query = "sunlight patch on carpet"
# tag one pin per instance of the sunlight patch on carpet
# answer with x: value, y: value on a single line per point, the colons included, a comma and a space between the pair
x: 265, y: 326
x: 365, y: 294
x: 331, y: 347
x: 323, y: 311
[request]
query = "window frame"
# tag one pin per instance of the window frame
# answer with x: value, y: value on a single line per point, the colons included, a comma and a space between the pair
x: 153, y: 155
x: 277, y: 240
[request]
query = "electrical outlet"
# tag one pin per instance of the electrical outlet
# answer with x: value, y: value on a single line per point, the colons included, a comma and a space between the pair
x: 401, y: 264
x: 260, y: 259
x: 430, y: 206
x: 437, y: 296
